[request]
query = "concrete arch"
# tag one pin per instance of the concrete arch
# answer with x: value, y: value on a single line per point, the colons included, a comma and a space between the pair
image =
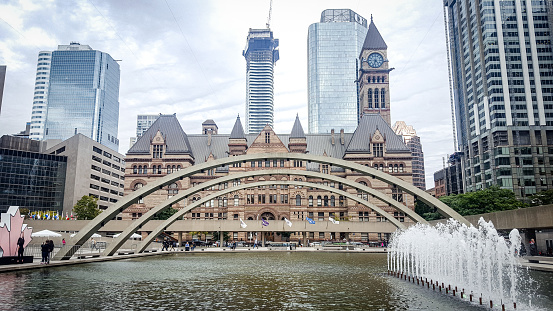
x: 192, y: 192
x: 146, y: 241
x: 108, y: 214
x: 137, y: 224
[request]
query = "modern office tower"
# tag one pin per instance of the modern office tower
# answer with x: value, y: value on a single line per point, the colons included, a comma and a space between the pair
x: 413, y: 142
x: 143, y: 123
x: 373, y: 77
x: 449, y: 180
x: 2, y: 79
x: 76, y: 91
x: 261, y: 55
x: 501, y: 65
x: 333, y: 47
x: 29, y: 177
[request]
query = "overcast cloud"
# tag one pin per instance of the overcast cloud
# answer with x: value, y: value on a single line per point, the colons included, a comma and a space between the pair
x: 185, y: 57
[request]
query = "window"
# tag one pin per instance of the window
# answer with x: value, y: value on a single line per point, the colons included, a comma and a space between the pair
x: 383, y: 98
x: 376, y: 98
x: 281, y: 162
x: 236, y: 200
x: 158, y: 151
x: 378, y: 150
x: 284, y: 198
x: 310, y: 200
x: 172, y: 189
x: 253, y: 164
x: 363, y: 216
x: 298, y: 200
x: 324, y: 168
x: 136, y: 187
x: 390, y: 168
x: 341, y: 199
x: 332, y: 201
x: 401, y: 168
x: 395, y: 168
x: 319, y: 201
x: 321, y: 216
x: 326, y: 200
x: 267, y: 137
x: 397, y: 194
x: 370, y: 97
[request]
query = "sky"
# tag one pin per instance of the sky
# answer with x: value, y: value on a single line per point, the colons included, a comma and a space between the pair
x: 185, y: 57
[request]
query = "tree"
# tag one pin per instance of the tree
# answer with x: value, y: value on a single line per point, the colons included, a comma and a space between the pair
x: 542, y: 198
x: 492, y: 199
x: 87, y: 208
x: 226, y: 236
x: 426, y: 212
x: 165, y: 214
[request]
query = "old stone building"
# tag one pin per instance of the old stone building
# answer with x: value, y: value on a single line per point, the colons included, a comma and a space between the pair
x: 166, y: 148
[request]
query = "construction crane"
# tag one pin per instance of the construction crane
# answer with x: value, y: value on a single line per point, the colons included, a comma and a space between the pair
x: 270, y: 11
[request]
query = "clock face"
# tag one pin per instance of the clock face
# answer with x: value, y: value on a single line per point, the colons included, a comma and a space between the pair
x: 375, y: 60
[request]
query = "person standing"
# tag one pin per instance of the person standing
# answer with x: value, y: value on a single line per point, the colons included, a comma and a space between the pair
x: 92, y: 244
x: 50, y: 249
x: 44, y: 248
x: 186, y: 247
x: 63, y: 242
x: 533, y: 248
x: 20, y: 244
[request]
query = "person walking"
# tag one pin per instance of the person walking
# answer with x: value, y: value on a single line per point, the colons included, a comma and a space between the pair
x: 92, y: 244
x: 20, y: 244
x: 44, y: 248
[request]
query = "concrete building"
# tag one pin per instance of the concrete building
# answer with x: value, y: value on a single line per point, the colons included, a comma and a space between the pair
x: 261, y: 55
x: 501, y: 62
x: 449, y: 180
x: 76, y: 91
x: 374, y: 76
x: 143, y: 123
x: 414, y: 143
x: 166, y: 148
x: 2, y: 80
x: 333, y: 47
x: 92, y: 169
x: 30, y: 178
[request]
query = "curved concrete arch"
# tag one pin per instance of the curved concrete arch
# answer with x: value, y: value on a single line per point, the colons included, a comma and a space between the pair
x: 108, y: 214
x: 133, y: 227
x: 142, y: 246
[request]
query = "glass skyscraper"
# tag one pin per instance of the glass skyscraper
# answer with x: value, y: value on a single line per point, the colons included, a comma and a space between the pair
x: 333, y: 47
x: 76, y: 91
x: 261, y: 55
x: 502, y: 69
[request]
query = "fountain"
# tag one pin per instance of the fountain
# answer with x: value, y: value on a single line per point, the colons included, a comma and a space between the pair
x: 475, y: 263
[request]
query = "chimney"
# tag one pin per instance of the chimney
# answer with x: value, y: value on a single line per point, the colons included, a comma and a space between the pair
x: 342, y: 137
x: 332, y: 136
x: 209, y: 137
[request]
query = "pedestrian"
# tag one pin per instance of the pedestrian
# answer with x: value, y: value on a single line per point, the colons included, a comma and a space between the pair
x: 44, y: 248
x: 533, y: 248
x: 63, y: 242
x: 172, y: 246
x: 50, y: 249
x: 20, y: 244
x: 186, y: 247
x: 92, y: 244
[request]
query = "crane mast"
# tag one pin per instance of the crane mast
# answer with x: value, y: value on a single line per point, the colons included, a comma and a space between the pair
x: 270, y: 11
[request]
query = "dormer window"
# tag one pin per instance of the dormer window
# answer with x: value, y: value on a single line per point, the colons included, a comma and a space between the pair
x: 378, y: 150
x: 158, y: 151
x: 267, y: 137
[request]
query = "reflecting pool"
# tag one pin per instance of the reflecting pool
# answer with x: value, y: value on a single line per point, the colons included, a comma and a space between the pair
x: 231, y: 281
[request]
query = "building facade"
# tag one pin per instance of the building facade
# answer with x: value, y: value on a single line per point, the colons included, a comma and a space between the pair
x: 333, y: 47
x: 413, y: 142
x: 30, y: 178
x: 92, y: 169
x: 2, y: 80
x: 166, y: 148
x: 501, y: 63
x: 449, y: 180
x: 76, y: 91
x: 261, y: 55
x: 374, y: 76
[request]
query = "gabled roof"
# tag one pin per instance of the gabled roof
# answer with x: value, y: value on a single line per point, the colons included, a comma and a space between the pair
x: 176, y: 139
x: 297, y: 129
x: 373, y: 40
x: 369, y: 123
x: 237, y: 131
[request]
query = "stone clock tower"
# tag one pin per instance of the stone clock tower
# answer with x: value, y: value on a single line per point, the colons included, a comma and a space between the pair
x: 374, y: 72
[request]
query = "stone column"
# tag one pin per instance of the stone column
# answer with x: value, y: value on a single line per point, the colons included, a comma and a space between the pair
x: 263, y: 239
x: 179, y: 239
x: 220, y: 238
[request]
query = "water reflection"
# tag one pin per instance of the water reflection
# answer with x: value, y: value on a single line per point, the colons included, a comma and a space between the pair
x: 230, y: 281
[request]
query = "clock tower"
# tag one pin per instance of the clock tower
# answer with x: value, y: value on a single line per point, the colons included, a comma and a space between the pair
x: 374, y: 72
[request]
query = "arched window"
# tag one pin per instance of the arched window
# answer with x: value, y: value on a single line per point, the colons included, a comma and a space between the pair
x: 169, y: 171
x: 136, y: 187
x: 174, y: 168
x: 376, y: 98
x: 319, y: 201
x: 381, y: 167
x: 395, y: 168
x: 145, y: 170
x: 178, y: 167
x: 341, y: 199
x: 159, y: 169
x: 378, y: 79
x: 236, y: 200
x: 134, y: 169
x: 220, y: 202
x: 225, y: 202
x: 326, y: 200
x: 401, y: 168
x: 310, y: 200
x: 370, y: 98
x: 363, y: 183
x: 376, y: 166
x: 332, y: 201
x: 383, y: 79
x: 383, y: 98
x: 390, y: 168
x: 298, y: 200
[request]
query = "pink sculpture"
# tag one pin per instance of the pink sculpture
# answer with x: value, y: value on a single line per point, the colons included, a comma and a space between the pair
x: 11, y: 228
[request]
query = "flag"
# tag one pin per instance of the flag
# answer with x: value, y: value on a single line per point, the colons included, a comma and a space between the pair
x: 57, y: 216
x: 38, y: 216
x: 72, y: 215
x: 66, y: 216
x: 311, y: 221
x: 242, y: 223
x: 334, y: 221
x: 264, y: 222
x: 288, y: 222
x: 47, y: 216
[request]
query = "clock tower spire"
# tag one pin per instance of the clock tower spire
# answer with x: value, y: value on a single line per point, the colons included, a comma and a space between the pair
x: 374, y: 72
